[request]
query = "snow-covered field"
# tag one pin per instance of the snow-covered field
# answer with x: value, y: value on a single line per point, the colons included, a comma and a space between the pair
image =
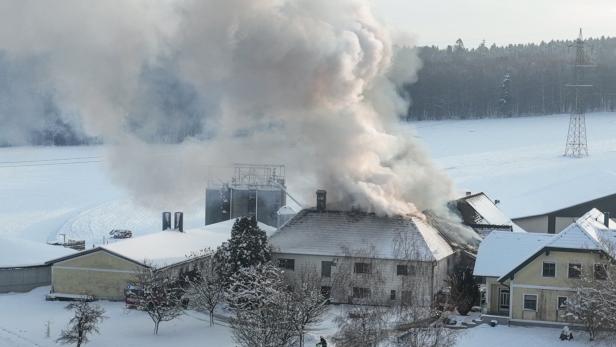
x: 519, y: 160
x: 46, y: 192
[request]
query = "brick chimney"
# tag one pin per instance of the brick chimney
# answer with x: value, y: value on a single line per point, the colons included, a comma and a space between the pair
x: 321, y: 200
x: 606, y: 219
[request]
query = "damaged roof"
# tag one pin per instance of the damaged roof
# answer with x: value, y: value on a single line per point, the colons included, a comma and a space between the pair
x: 353, y: 233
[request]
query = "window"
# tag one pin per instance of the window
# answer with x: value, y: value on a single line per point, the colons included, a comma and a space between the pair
x: 326, y: 268
x: 530, y: 302
x: 392, y: 295
x: 549, y: 269
x: 361, y: 293
x: 287, y: 264
x: 402, y: 270
x: 575, y: 270
x: 600, y: 271
x: 362, y: 268
x: 562, y: 303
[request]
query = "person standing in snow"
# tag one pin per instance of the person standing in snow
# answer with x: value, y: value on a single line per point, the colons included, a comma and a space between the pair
x: 322, y: 342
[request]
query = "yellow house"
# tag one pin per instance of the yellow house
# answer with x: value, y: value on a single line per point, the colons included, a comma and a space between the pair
x: 105, y: 272
x: 530, y: 276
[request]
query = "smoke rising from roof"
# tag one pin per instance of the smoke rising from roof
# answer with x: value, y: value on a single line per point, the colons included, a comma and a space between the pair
x: 308, y: 83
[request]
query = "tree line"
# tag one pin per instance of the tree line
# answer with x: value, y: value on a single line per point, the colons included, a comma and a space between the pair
x: 507, y: 81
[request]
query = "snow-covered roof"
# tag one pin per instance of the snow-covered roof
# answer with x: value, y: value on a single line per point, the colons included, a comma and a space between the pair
x: 587, y: 233
x: 286, y: 210
x: 487, y: 212
x: 344, y: 233
x: 16, y: 252
x: 169, y: 247
x: 501, y: 251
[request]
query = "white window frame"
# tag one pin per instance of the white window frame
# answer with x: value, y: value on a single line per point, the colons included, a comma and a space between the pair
x: 581, y: 268
x: 555, y: 269
x: 536, y: 302
x: 558, y: 299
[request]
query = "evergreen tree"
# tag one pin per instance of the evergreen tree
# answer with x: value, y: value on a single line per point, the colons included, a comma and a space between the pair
x: 464, y: 290
x: 504, y: 102
x: 247, y: 247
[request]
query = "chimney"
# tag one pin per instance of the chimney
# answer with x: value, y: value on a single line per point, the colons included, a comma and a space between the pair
x: 606, y: 219
x: 469, y: 193
x: 321, y: 200
x: 179, y: 222
x: 166, y: 220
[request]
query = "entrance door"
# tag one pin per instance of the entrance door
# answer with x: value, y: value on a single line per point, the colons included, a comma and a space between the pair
x: 503, y: 299
x: 326, y: 269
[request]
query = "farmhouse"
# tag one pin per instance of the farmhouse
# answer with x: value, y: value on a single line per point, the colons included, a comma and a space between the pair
x: 364, y: 258
x: 529, y: 276
x: 105, y: 271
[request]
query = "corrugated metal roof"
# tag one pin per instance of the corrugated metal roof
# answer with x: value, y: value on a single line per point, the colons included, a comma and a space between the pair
x: 342, y: 233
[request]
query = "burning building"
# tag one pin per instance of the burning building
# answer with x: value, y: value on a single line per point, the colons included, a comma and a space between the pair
x: 254, y: 190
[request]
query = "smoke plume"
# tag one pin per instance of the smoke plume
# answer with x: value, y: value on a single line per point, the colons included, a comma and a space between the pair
x: 312, y: 84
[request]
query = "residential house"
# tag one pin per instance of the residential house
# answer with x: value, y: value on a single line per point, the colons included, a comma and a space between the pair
x: 529, y: 276
x: 364, y: 258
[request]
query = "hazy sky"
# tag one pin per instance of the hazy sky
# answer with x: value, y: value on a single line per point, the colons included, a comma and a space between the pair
x: 441, y: 22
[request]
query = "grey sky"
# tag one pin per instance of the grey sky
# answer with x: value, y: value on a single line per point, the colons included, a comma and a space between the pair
x: 441, y: 22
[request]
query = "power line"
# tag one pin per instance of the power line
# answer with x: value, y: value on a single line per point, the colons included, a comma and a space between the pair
x: 52, y: 164
x: 42, y: 160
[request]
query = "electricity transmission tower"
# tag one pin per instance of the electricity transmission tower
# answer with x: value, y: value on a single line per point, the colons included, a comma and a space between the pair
x: 577, y: 145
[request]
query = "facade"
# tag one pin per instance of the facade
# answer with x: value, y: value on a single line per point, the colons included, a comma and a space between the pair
x: 556, y: 221
x: 105, y: 272
x: 364, y: 258
x: 22, y: 264
x: 538, y: 272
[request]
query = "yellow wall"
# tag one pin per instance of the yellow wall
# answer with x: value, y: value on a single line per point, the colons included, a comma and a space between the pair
x: 530, y: 280
x: 100, y: 274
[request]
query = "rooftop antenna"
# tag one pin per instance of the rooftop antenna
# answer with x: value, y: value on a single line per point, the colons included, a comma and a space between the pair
x: 577, y: 145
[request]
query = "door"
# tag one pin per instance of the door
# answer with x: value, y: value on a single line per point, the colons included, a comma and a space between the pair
x: 326, y: 269
x: 503, y: 299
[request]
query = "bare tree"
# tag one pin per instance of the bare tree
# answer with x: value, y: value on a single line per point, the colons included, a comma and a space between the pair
x: 422, y: 327
x: 84, y: 322
x: 159, y: 295
x: 364, y: 326
x: 308, y: 302
x: 206, y: 290
x: 594, y: 300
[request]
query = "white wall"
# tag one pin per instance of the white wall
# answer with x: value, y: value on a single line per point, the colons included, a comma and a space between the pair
x: 428, y: 278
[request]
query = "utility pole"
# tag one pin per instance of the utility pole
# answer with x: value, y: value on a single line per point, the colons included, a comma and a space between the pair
x: 577, y: 145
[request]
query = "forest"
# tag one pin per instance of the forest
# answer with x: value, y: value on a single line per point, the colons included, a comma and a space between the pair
x: 515, y: 80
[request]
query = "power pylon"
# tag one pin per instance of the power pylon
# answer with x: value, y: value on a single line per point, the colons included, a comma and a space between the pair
x: 577, y: 145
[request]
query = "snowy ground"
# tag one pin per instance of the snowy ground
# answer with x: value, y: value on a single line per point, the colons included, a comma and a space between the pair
x: 131, y: 328
x: 519, y: 160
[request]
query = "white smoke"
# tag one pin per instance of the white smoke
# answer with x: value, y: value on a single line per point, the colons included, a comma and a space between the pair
x: 312, y: 84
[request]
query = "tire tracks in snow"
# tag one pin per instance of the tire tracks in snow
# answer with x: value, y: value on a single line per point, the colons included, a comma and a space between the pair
x: 15, y: 339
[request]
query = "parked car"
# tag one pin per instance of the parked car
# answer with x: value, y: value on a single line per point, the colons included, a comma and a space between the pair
x: 121, y: 234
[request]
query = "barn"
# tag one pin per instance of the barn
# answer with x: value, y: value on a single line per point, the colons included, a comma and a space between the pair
x: 104, y: 272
